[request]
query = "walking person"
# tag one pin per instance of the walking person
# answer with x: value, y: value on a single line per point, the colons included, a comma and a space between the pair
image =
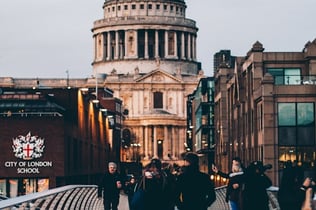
x: 110, y: 187
x: 290, y: 196
x: 156, y: 189
x: 194, y: 189
x: 293, y: 187
x: 235, y: 184
x: 129, y: 190
x: 255, y: 195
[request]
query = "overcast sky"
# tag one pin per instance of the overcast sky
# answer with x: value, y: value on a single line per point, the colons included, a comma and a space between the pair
x: 45, y: 38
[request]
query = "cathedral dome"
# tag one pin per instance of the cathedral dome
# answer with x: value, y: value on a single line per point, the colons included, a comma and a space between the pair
x: 145, y: 35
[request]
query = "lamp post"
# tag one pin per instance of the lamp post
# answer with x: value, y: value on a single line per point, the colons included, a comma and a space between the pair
x: 96, y: 100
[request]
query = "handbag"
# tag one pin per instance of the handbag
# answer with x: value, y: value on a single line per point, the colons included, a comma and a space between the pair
x: 138, y: 198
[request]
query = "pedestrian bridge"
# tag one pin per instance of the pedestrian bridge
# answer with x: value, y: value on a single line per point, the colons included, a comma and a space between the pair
x: 77, y: 197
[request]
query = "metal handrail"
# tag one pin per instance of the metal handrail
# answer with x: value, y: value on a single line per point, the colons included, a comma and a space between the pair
x: 220, y: 202
x: 34, y: 196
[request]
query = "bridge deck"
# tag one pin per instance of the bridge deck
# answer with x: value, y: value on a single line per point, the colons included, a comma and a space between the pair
x: 85, y: 197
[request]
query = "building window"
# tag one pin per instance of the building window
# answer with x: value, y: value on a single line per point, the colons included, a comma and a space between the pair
x: 141, y: 6
x: 286, y: 76
x: 125, y: 7
x: 150, y: 6
x: 296, y: 124
x: 158, y: 100
x: 165, y: 7
x: 133, y: 6
x: 118, y: 7
x: 259, y: 117
x: 158, y: 7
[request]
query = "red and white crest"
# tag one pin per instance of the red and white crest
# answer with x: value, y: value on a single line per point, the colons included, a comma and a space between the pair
x: 28, y: 147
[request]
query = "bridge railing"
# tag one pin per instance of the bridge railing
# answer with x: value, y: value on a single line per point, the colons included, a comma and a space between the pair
x: 74, y: 197
x: 84, y: 197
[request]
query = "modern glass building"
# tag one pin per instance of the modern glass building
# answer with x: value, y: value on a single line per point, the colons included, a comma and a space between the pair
x: 200, y: 122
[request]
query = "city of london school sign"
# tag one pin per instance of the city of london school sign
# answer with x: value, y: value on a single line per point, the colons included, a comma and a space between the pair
x: 27, y: 149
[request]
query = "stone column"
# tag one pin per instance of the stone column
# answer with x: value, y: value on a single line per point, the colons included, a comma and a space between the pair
x: 99, y: 47
x: 109, y: 45
x: 116, y: 45
x: 104, y: 49
x: 193, y: 47
x: 121, y: 53
x: 173, y: 140
x: 166, y: 145
x: 189, y: 47
x: 175, y: 45
x: 166, y: 44
x: 126, y: 43
x: 146, y: 44
x: 145, y: 146
x: 182, y: 46
x: 155, y: 146
x: 136, y: 44
x: 156, y: 44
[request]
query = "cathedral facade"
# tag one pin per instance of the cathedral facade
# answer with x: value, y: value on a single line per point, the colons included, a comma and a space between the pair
x: 145, y: 51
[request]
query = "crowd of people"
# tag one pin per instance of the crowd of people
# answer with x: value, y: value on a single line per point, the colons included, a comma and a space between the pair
x: 160, y: 189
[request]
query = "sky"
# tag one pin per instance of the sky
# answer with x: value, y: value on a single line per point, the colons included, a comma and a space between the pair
x: 53, y: 38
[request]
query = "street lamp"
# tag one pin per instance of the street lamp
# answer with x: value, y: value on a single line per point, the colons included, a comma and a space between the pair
x: 96, y: 100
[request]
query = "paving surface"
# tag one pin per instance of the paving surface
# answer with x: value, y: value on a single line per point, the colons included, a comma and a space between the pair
x: 219, y: 204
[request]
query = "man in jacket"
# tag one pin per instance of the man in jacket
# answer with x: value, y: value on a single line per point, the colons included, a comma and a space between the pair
x: 157, y: 188
x: 110, y: 185
x: 194, y: 189
x: 235, y: 184
x: 256, y: 184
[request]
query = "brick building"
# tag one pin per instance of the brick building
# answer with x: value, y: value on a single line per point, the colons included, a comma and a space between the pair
x: 265, y: 108
x: 53, y: 136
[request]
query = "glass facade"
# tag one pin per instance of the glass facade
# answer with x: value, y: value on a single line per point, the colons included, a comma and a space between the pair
x: 286, y: 76
x: 22, y: 186
x: 296, y: 134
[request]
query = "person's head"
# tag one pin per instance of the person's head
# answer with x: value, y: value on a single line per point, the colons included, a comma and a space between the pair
x: 153, y: 168
x: 112, y: 167
x: 236, y: 167
x: 191, y: 160
x: 155, y: 164
x: 236, y: 163
x: 236, y: 160
x: 132, y: 181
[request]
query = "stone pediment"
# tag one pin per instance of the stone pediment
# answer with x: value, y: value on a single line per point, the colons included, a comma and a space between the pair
x: 158, y: 76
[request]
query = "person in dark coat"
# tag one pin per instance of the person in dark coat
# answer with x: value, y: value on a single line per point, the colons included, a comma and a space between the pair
x: 290, y: 197
x: 156, y: 188
x: 235, y: 184
x: 291, y: 194
x: 110, y: 187
x: 194, y: 189
x: 129, y: 190
x: 256, y: 184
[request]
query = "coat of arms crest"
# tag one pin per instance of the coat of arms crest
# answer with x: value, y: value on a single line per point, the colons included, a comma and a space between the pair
x: 28, y: 147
